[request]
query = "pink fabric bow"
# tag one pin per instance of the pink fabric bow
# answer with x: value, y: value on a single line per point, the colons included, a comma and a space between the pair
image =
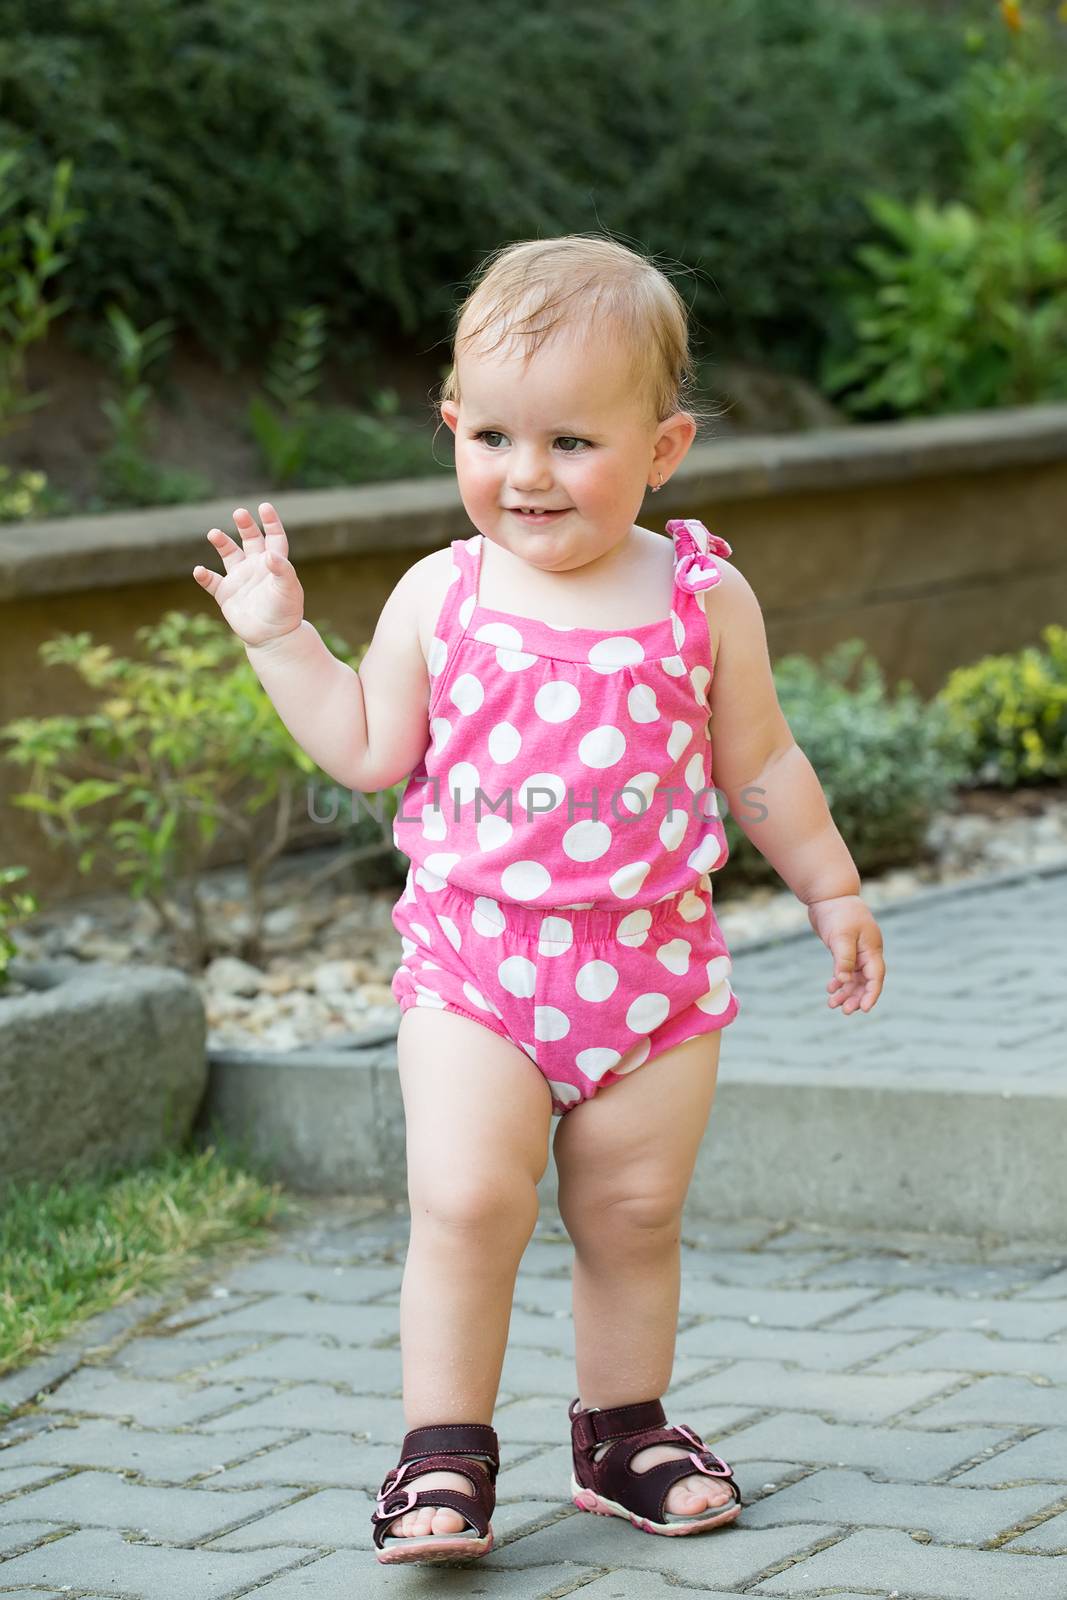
x: 695, y: 570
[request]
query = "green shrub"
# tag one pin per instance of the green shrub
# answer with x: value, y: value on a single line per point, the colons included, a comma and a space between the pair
x: 374, y: 151
x: 1011, y: 713
x: 13, y: 910
x: 887, y: 762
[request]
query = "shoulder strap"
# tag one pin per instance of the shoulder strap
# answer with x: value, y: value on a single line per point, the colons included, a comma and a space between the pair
x: 462, y: 593
x: 694, y: 550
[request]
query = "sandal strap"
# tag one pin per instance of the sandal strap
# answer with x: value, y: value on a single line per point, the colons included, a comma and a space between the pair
x: 644, y: 1493
x: 592, y: 1428
x: 398, y: 1494
x: 463, y: 1438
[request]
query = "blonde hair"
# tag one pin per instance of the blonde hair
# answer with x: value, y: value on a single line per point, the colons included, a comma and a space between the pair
x: 538, y: 286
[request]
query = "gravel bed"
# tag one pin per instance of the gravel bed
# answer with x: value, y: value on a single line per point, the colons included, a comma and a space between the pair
x: 329, y: 955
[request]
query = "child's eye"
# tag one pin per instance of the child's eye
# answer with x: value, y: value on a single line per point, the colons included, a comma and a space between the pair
x: 489, y: 433
x: 569, y: 438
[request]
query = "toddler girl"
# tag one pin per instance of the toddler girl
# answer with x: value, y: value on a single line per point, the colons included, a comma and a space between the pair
x: 546, y: 687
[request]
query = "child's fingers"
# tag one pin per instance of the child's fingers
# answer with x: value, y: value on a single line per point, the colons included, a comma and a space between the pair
x: 272, y: 528
x: 207, y: 579
x: 843, y: 948
x: 249, y: 529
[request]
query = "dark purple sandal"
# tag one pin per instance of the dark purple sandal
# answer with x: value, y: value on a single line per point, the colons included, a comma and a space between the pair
x: 611, y: 1488
x: 440, y: 1447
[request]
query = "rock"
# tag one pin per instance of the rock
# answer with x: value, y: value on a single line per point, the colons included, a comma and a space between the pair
x: 336, y: 976
x: 230, y: 975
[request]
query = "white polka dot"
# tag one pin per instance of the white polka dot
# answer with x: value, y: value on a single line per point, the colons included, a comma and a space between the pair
x: 555, y: 936
x: 596, y: 980
x: 707, y: 852
x: 530, y: 1051
x: 514, y: 660
x: 678, y: 629
x: 434, y: 826
x: 602, y: 747
x: 440, y: 728
x: 700, y: 677
x: 429, y: 998
x: 499, y: 633
x: 440, y: 863
x: 463, y: 779
x: 645, y: 783
x: 550, y: 1023
x: 466, y: 610
x: 407, y: 947
x: 466, y: 693
x: 628, y: 879
x: 525, y: 880
x: 647, y: 1012
x: 691, y: 906
x: 672, y: 828
x: 681, y: 736
x: 518, y: 976
x: 719, y: 995
x: 633, y: 929
x: 563, y: 1094
x: 694, y: 772
x: 607, y: 655
x: 428, y: 880
x: 436, y: 656
x: 531, y: 796
x: 493, y: 832
x: 453, y: 574
x: 595, y: 1061
x: 451, y: 932
x: 634, y: 1057
x: 675, y: 956
x: 587, y: 840
x: 641, y: 703
x: 487, y: 918
x: 557, y: 701
x: 674, y: 665
x: 476, y: 997
x: 709, y: 803
x: 505, y: 742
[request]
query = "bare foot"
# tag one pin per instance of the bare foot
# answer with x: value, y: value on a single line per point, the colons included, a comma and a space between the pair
x: 432, y: 1519
x: 689, y: 1496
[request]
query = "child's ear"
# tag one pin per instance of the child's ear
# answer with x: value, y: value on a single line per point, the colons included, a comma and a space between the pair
x: 450, y: 413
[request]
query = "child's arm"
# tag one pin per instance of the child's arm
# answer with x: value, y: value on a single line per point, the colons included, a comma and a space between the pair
x: 775, y: 797
x: 366, y: 730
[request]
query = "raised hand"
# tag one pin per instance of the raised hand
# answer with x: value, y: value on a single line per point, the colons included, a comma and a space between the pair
x: 259, y: 592
x: 848, y: 929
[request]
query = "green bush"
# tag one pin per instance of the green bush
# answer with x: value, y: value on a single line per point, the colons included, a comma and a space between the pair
x: 373, y: 150
x: 887, y: 762
x: 1011, y: 713
x: 13, y: 910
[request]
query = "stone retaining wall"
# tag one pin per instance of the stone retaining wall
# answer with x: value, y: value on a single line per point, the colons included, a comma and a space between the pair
x: 935, y: 541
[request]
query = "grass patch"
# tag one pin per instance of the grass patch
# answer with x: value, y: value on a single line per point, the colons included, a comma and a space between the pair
x: 72, y: 1248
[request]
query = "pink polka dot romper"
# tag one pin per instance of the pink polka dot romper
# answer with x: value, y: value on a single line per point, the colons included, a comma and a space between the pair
x: 562, y: 830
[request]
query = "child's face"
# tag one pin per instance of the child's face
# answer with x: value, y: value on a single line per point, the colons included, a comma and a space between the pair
x: 569, y: 433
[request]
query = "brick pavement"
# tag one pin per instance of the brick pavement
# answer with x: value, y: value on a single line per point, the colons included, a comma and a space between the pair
x: 895, y: 1408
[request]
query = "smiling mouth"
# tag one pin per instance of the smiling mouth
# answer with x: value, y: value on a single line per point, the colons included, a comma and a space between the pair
x: 537, y: 511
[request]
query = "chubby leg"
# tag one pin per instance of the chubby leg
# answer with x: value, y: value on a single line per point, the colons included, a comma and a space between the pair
x: 625, y: 1160
x: 477, y: 1114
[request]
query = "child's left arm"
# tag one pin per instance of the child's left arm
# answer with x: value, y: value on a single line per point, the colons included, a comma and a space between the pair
x: 776, y: 799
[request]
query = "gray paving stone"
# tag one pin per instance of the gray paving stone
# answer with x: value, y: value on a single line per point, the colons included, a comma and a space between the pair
x: 15, y: 1478
x: 781, y: 1308
x: 970, y: 1351
x: 1043, y: 1456
x: 1012, y: 1319
x: 1052, y: 1287
x: 340, y: 1519
x: 890, y: 1560
x: 161, y: 1457
x: 318, y: 1408
x: 826, y: 1349
x: 1049, y: 1538
x: 173, y: 1358
x: 887, y: 1271
x: 347, y: 1283
x: 999, y: 1400
x: 947, y: 1513
x: 97, y: 1391
x: 364, y: 1371
x: 730, y: 1557
x: 107, y: 1500
x: 34, y: 1594
x: 101, y: 1559
x: 318, y: 1460
x: 909, y: 1454
x: 839, y: 1397
x: 15, y: 1536
x: 751, y: 1269
x: 291, y: 1314
x: 340, y: 1577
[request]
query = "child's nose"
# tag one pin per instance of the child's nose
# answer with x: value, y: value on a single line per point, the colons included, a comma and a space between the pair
x: 529, y: 469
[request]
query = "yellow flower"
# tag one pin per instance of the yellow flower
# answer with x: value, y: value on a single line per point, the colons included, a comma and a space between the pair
x: 1011, y: 11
